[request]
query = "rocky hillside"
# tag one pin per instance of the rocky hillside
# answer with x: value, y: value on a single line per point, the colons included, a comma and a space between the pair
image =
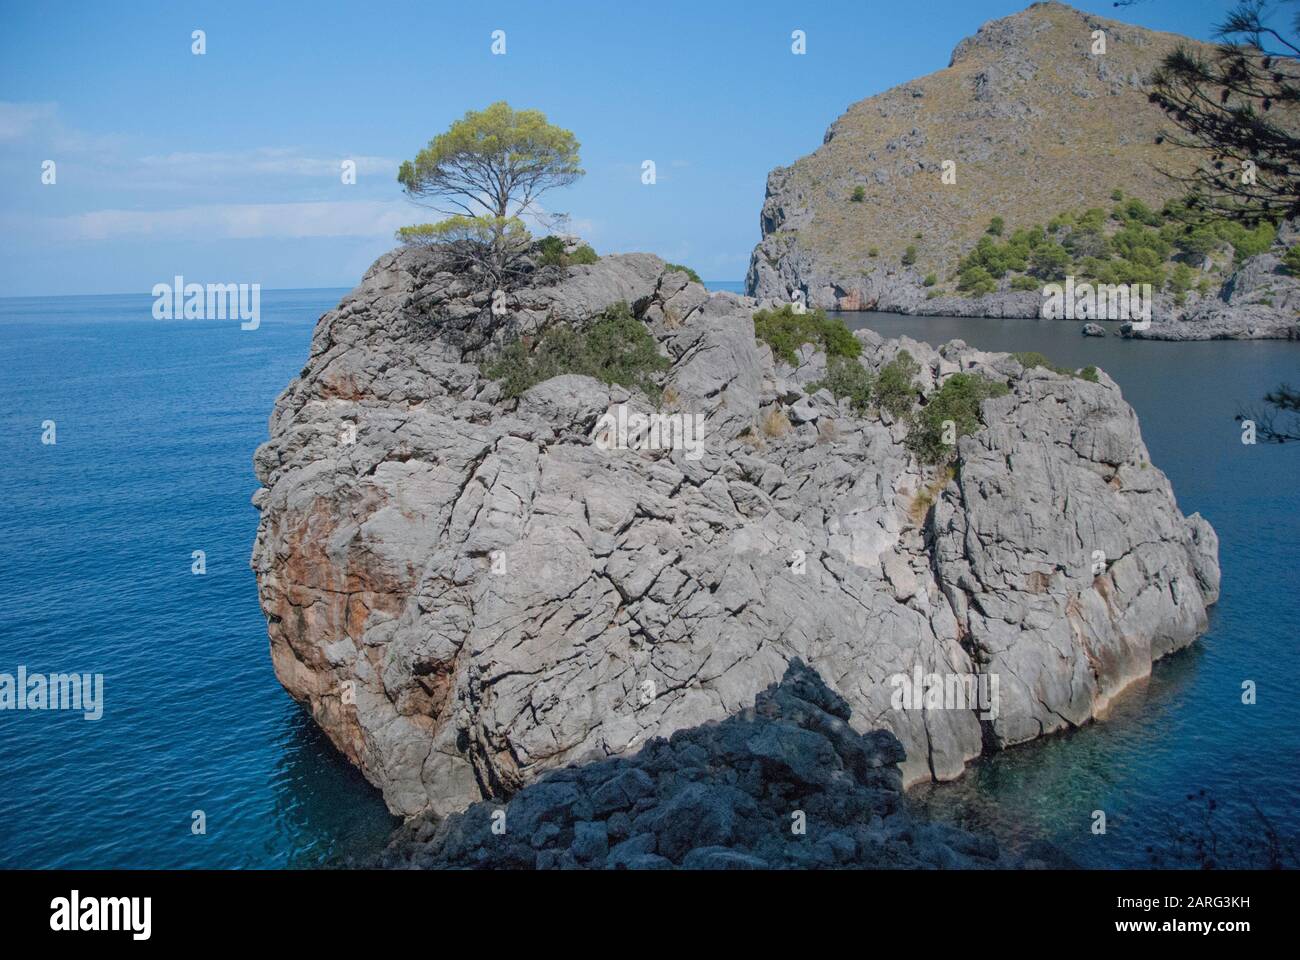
x: 1035, y: 122
x: 468, y: 591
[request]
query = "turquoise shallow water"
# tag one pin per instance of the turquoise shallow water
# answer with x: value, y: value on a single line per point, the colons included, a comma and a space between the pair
x: 156, y: 425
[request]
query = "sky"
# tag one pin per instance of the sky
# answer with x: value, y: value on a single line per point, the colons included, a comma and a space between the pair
x: 226, y: 167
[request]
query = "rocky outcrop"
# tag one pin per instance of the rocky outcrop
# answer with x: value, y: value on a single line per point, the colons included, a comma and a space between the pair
x: 468, y: 592
x: 1034, y: 120
x: 785, y: 783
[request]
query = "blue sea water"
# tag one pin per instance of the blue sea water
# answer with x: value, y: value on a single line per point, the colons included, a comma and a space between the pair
x: 156, y: 424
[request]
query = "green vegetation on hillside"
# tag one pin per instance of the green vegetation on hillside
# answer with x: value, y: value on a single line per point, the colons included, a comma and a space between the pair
x: 895, y: 388
x: 785, y: 331
x: 943, y: 416
x: 615, y: 348
x: 957, y: 402
x: 847, y: 377
x: 892, y: 389
x: 1129, y: 244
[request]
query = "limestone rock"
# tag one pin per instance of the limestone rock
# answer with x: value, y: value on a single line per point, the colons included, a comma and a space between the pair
x: 468, y: 593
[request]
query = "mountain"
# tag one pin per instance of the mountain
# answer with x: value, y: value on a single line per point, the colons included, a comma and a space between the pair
x: 1035, y: 122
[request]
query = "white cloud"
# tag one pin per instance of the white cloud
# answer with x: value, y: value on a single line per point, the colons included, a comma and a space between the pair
x: 39, y: 123
x: 19, y: 120
x: 262, y: 161
x: 236, y: 221
x: 245, y: 221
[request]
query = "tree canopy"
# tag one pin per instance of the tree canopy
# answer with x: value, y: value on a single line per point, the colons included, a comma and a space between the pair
x: 486, y: 171
x: 490, y: 161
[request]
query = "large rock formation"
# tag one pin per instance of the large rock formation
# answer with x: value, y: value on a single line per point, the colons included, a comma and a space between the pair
x: 467, y: 592
x: 1036, y: 123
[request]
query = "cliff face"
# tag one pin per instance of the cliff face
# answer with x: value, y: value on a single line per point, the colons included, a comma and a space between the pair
x: 467, y: 592
x: 1036, y: 124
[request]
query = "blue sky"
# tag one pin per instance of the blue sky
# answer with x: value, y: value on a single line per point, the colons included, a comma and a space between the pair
x: 225, y: 167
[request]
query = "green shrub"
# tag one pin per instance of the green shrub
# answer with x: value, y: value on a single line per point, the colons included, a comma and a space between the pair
x: 1028, y: 239
x: 786, y: 331
x: 614, y: 348
x: 1117, y: 195
x: 958, y: 401
x: 1291, y: 260
x: 996, y: 259
x: 909, y: 255
x: 976, y: 281
x: 1033, y: 358
x: 1247, y: 242
x: 1023, y: 282
x: 895, y: 389
x: 686, y: 270
x: 859, y: 194
x: 1087, y: 240
x: 873, y: 252
x: 996, y: 226
x: 1133, y: 239
x: 1050, y: 261
x: 1136, y: 210
x: 847, y: 377
x: 584, y: 254
x: 1180, y: 281
x: 551, y: 253
x: 930, y: 280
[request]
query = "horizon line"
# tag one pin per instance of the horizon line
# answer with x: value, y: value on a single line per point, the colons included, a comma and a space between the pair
x: 137, y: 293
